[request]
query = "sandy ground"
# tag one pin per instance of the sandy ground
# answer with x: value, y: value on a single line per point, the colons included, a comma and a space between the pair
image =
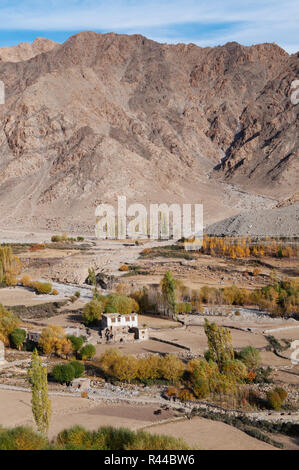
x: 210, y: 435
x: 144, y: 347
x: 11, y: 296
x: 15, y: 409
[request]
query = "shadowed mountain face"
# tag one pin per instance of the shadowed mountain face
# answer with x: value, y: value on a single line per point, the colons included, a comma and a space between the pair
x: 107, y: 115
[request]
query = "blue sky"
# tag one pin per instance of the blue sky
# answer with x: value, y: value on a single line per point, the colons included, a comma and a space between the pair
x: 206, y: 23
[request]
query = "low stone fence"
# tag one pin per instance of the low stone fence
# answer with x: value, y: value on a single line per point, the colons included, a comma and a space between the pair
x: 172, y: 343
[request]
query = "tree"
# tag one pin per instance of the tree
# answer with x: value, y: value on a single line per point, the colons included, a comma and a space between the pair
x: 168, y: 286
x: 251, y: 357
x: 54, y: 341
x: 78, y: 368
x: 77, y: 342
x: 10, y: 266
x: 41, y: 404
x: 88, y: 351
x: 8, y: 323
x: 18, y: 337
x: 63, y: 373
x: 172, y: 368
x: 92, y: 312
x: 220, y: 343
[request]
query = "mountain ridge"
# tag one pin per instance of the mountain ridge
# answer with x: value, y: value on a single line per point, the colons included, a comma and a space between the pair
x: 106, y: 114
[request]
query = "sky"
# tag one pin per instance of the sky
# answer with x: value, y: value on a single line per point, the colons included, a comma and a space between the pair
x: 205, y: 23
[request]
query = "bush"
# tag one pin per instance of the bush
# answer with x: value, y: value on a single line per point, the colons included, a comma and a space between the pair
x: 92, y: 312
x: 282, y: 393
x: 55, y: 292
x: 78, y: 368
x: 63, y: 373
x: 17, y: 338
x: 108, y: 438
x: 77, y: 342
x: 273, y: 399
x: 44, y: 288
x: 56, y: 238
x: 21, y: 438
x: 26, y: 280
x: 251, y: 357
x: 124, y: 267
x: 77, y: 294
x: 88, y: 351
x: 80, y: 239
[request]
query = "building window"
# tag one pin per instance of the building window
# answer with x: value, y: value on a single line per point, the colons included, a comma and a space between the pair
x: 127, y: 318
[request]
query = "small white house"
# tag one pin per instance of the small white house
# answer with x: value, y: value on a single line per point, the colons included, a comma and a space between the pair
x: 34, y: 336
x: 115, y: 320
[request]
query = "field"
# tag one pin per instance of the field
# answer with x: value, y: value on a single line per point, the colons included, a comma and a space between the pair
x: 66, y: 267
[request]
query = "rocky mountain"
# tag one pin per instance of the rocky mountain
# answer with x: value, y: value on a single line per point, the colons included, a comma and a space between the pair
x: 104, y: 115
x: 25, y: 51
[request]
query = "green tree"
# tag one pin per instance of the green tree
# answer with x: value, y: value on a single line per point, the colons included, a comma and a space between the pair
x: 63, y: 373
x: 251, y: 357
x: 78, y: 368
x: 77, y: 342
x: 92, y: 312
x: 17, y: 338
x: 168, y: 286
x: 220, y: 343
x: 41, y: 404
x: 88, y: 351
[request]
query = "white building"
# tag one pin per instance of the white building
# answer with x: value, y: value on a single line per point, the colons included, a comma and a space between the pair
x: 115, y: 320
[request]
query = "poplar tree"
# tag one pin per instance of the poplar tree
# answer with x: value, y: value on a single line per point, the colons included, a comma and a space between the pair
x: 41, y: 404
x: 169, y: 291
x: 220, y: 343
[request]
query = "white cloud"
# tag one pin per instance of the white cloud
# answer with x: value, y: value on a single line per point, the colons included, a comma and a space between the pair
x: 251, y: 22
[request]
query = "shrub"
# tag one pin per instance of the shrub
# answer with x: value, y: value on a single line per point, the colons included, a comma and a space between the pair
x: 63, y: 373
x: 146, y: 251
x: 17, y: 338
x: 26, y: 280
x: 146, y: 441
x: 44, y: 288
x: 80, y: 239
x: 237, y: 313
x: 92, y: 312
x: 77, y: 342
x: 124, y: 267
x: 282, y: 393
x: 55, y: 292
x: 21, y: 438
x: 56, y: 238
x: 185, y: 394
x: 77, y: 294
x: 273, y: 399
x: 88, y: 351
x: 78, y: 368
x: 251, y: 357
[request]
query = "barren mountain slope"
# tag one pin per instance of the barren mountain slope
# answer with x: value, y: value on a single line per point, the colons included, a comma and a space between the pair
x: 25, y: 51
x: 106, y: 115
x: 265, y: 151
